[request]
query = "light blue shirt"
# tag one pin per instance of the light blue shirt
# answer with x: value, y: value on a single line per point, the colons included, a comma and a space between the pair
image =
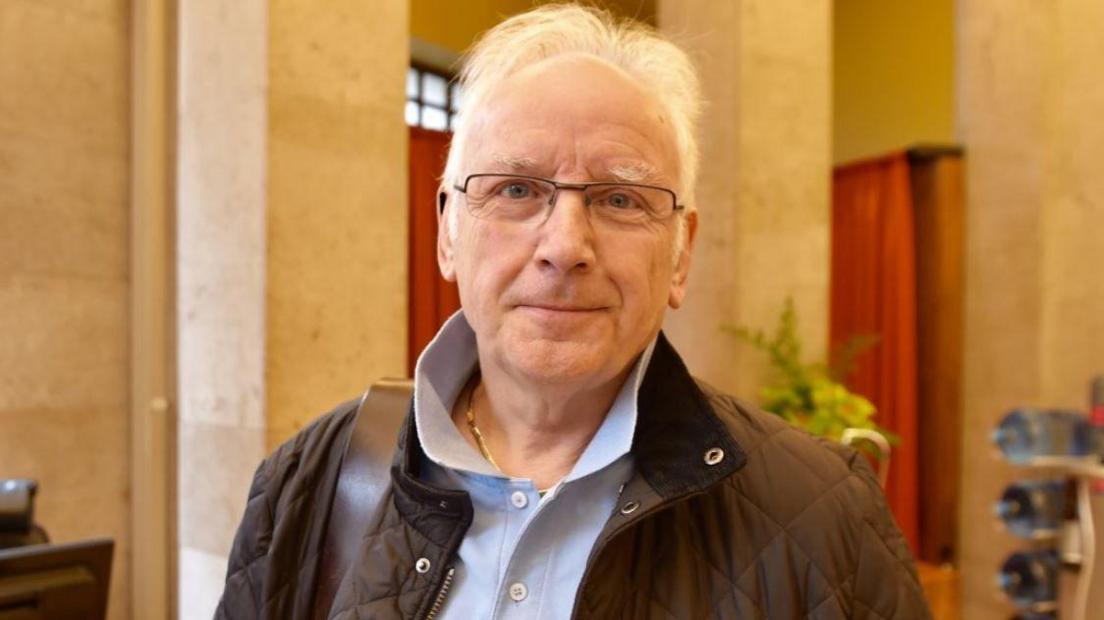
x: 523, y: 556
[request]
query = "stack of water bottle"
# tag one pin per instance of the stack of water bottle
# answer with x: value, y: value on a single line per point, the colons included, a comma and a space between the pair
x: 1044, y: 510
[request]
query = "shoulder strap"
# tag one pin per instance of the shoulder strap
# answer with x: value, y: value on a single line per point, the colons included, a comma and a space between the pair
x: 362, y: 482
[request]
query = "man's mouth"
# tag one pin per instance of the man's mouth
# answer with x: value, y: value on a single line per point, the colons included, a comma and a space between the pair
x: 567, y: 308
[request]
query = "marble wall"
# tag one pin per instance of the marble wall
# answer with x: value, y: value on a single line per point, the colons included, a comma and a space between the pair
x: 1029, y: 96
x: 763, y: 191
x: 64, y: 251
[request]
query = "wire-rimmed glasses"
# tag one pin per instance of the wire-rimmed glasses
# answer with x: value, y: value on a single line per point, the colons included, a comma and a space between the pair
x: 514, y: 197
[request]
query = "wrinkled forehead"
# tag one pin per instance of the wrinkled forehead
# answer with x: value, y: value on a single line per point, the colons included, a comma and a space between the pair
x: 575, y: 113
x: 614, y: 167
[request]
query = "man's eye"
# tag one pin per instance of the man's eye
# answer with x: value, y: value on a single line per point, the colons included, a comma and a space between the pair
x: 516, y: 190
x: 620, y: 200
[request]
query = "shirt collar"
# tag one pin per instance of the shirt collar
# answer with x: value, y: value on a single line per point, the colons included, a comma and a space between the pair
x: 443, y: 369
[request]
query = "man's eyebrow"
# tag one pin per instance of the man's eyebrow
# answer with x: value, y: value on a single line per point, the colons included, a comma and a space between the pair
x: 637, y: 172
x: 514, y: 162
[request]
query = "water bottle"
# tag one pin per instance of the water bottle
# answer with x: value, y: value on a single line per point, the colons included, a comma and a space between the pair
x: 1024, y: 434
x: 1030, y: 579
x: 1033, y: 508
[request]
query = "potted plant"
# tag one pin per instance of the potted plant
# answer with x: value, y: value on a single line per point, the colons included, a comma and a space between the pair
x: 811, y: 395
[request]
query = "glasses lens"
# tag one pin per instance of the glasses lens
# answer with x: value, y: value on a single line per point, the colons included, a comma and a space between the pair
x: 507, y: 197
x: 630, y: 203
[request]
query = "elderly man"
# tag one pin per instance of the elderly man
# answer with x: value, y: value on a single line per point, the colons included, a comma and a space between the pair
x: 558, y: 459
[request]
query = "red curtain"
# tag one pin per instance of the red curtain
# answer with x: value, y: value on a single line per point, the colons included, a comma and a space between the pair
x: 873, y: 291
x: 432, y: 299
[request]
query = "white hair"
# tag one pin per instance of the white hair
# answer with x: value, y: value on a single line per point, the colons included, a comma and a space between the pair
x: 662, y: 69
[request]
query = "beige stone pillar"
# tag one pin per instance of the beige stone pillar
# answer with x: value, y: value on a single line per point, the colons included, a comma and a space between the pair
x: 763, y: 191
x: 1029, y: 101
x: 292, y: 240
x: 222, y: 137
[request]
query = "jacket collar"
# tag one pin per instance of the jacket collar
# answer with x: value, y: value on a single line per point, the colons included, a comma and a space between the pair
x: 677, y: 428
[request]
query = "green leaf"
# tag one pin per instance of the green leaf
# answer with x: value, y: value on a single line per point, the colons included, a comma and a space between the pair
x: 810, y: 395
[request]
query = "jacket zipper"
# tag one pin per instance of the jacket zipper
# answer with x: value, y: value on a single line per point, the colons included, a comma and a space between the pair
x: 441, y: 595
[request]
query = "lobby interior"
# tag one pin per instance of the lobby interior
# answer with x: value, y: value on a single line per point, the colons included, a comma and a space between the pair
x: 214, y: 214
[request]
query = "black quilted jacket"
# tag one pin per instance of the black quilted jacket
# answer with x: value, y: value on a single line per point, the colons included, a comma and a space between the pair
x: 781, y: 526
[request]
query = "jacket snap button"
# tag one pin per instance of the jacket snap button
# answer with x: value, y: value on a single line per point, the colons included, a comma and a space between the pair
x: 630, y: 507
x: 714, y: 456
x: 422, y: 565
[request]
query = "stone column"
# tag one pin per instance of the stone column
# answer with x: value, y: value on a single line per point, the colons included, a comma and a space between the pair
x: 1029, y: 101
x: 292, y: 234
x: 763, y: 191
x: 222, y: 140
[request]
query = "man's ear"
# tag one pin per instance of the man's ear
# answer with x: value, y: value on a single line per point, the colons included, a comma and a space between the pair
x: 682, y: 262
x: 444, y: 240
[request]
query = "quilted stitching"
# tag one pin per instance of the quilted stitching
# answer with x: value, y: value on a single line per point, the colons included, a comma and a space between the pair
x: 278, y: 489
x: 748, y: 602
x: 791, y: 544
x: 734, y: 586
x: 870, y: 611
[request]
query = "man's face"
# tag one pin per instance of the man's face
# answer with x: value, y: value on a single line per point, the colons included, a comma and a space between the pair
x: 569, y: 298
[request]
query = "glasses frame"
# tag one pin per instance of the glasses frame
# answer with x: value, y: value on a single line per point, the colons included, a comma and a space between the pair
x: 579, y: 187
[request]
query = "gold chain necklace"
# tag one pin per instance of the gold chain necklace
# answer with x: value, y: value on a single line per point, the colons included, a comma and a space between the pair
x: 478, y: 435
x: 486, y: 452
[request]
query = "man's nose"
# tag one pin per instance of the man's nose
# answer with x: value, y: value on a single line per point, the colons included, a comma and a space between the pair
x: 566, y: 234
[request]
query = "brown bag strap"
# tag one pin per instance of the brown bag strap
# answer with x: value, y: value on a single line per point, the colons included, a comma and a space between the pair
x: 362, y: 482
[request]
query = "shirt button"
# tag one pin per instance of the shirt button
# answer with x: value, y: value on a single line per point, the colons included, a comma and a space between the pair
x: 519, y: 499
x: 518, y: 592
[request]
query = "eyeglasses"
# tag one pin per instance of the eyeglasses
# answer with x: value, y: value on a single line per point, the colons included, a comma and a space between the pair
x: 520, y: 198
